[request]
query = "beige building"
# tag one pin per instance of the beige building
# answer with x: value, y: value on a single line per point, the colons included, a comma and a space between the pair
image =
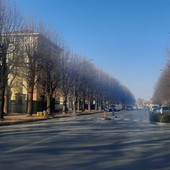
x: 16, y: 82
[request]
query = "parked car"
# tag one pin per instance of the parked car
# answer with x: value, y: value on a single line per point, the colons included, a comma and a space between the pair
x: 153, y: 108
x: 162, y: 110
x: 157, y: 109
x: 165, y: 110
x: 160, y: 114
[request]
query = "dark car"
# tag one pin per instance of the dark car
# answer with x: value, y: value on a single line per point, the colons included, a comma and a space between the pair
x: 111, y: 109
x: 129, y: 107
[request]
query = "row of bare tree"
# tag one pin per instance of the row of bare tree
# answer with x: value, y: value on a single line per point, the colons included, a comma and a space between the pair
x: 161, y: 94
x: 33, y: 53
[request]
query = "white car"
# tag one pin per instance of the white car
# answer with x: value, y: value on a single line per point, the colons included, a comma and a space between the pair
x: 165, y: 110
x: 153, y: 108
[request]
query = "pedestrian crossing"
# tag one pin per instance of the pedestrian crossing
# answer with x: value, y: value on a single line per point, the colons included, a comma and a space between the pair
x: 132, y: 119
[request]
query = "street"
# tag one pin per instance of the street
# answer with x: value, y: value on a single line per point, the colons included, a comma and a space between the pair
x: 128, y: 142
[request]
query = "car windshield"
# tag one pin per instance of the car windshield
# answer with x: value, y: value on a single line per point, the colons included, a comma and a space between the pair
x: 166, y: 108
x: 157, y: 108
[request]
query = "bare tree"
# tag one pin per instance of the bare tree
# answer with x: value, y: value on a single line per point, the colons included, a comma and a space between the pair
x: 10, y: 21
x: 162, y: 93
x: 91, y: 84
x: 30, y: 66
x: 65, y: 76
x: 13, y: 65
x: 49, y: 75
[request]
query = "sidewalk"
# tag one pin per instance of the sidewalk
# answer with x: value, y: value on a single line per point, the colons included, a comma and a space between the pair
x: 24, y: 118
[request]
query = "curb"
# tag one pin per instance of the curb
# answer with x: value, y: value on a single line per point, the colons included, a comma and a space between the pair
x: 45, y: 118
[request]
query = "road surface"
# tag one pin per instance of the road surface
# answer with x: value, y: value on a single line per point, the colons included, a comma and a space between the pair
x: 128, y: 142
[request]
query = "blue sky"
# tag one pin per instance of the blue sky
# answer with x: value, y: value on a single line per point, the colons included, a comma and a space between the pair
x: 128, y: 39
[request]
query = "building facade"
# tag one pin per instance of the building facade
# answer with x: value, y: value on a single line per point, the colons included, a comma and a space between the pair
x: 24, y: 48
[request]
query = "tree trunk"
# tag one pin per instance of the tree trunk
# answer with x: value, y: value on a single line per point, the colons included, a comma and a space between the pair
x: 30, y: 101
x: 96, y: 105
x: 65, y: 104
x: 6, y: 99
x: 74, y: 104
x: 48, y: 103
x: 3, y: 82
x: 78, y: 104
x: 89, y: 104
x: 100, y: 105
x: 83, y: 105
x: 2, y: 92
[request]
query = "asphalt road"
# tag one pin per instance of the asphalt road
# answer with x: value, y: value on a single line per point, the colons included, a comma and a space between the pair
x: 129, y: 142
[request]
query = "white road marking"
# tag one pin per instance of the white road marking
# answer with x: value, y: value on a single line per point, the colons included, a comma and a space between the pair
x: 136, y: 120
x: 127, y: 119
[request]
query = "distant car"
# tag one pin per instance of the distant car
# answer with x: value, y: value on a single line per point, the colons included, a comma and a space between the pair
x: 114, y: 108
x: 110, y: 109
x: 129, y: 107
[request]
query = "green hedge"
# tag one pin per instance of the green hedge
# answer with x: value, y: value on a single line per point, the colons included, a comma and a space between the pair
x: 164, y: 118
x: 157, y: 117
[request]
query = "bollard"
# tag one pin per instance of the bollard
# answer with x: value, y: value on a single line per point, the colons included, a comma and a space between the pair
x: 45, y: 113
x: 105, y: 114
x: 41, y: 114
x: 38, y: 113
